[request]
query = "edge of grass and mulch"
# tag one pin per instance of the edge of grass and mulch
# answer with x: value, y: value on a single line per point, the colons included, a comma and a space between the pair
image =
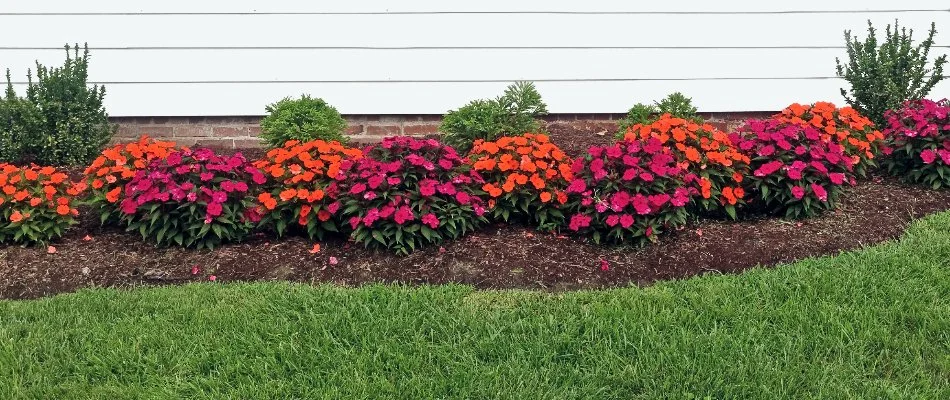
x: 873, y: 323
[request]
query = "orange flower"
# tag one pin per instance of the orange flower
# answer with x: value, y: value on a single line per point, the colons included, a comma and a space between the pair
x: 35, y: 201
x: 16, y: 216
x: 112, y: 196
x: 545, y: 197
x: 19, y: 196
x: 288, y: 194
x: 62, y: 209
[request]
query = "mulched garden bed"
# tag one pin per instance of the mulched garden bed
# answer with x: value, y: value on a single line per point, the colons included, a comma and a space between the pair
x: 500, y: 256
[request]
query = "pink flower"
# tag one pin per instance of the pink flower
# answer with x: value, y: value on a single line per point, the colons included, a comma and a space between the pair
x: 214, y: 209
x: 944, y: 155
x: 641, y: 205
x: 393, y: 180
x: 626, y: 220
x: 431, y: 220
x: 333, y: 260
x: 612, y: 220
x: 929, y: 156
x: 767, y: 151
x: 213, y: 278
x: 374, y: 181
x: 447, y: 188
x: 798, y: 192
x: 354, y: 222
x: 403, y: 214
x: 604, y: 265
x: 836, y: 177
x: 577, y: 186
x: 446, y: 164
x: 579, y: 221
x: 619, y: 200
x: 219, y: 197
x: 358, y: 188
x: 206, y: 176
x: 463, y: 198
x: 427, y: 187
x: 819, y: 191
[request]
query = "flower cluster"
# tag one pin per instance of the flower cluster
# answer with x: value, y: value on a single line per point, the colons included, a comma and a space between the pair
x: 853, y: 131
x: 631, y: 190
x: 794, y: 168
x: 704, y: 151
x: 301, y: 188
x: 524, y: 176
x: 37, y: 204
x: 192, y: 198
x: 408, y: 192
x: 115, y: 167
x: 918, y: 142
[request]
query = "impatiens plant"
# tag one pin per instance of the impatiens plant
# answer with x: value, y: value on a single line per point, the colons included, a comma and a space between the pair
x: 795, y: 169
x: 405, y: 193
x: 525, y: 177
x: 37, y: 204
x: 115, y: 167
x: 630, y: 191
x: 705, y: 152
x: 918, y: 142
x: 857, y: 134
x: 192, y: 198
x: 301, y: 188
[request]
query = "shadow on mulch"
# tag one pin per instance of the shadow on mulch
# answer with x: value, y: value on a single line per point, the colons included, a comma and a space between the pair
x: 499, y: 256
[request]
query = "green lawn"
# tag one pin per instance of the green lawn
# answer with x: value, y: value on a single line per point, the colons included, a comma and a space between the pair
x: 864, y: 325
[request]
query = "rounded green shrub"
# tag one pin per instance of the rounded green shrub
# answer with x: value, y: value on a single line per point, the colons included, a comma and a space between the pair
x: 304, y: 119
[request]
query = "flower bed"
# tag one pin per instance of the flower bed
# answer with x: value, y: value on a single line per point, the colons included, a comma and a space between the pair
x: 795, y: 169
x: 705, y: 152
x: 37, y: 204
x: 918, y: 142
x: 192, y: 198
x: 406, y: 193
x: 108, y: 174
x: 628, y: 192
x: 854, y: 132
x: 525, y: 176
x: 301, y: 188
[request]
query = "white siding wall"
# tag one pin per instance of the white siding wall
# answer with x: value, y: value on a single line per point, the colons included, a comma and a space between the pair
x: 183, y: 58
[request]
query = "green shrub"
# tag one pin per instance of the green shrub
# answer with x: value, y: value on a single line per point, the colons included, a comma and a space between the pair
x: 514, y: 113
x: 884, y: 77
x: 17, y: 117
x: 676, y: 104
x: 67, y: 124
x: 304, y: 119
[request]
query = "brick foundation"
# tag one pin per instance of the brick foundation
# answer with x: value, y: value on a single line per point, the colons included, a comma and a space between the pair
x: 242, y: 132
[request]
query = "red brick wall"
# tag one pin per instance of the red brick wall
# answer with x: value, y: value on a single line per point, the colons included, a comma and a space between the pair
x: 241, y: 132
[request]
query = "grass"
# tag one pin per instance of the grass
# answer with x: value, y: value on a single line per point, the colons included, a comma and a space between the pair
x: 869, y: 324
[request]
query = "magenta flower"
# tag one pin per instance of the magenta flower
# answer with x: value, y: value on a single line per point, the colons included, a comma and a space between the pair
x: 929, y: 156
x: 431, y: 220
x: 819, y: 192
x: 798, y: 192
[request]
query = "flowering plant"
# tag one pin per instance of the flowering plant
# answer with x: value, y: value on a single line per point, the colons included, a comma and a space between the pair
x: 407, y: 192
x: 704, y: 151
x: 115, y: 167
x: 918, y: 142
x: 37, y: 204
x: 630, y: 190
x: 524, y: 176
x: 853, y: 131
x: 301, y: 186
x: 192, y: 198
x: 794, y: 168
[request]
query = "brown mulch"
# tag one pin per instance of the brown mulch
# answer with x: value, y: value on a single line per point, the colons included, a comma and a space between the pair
x: 499, y: 256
